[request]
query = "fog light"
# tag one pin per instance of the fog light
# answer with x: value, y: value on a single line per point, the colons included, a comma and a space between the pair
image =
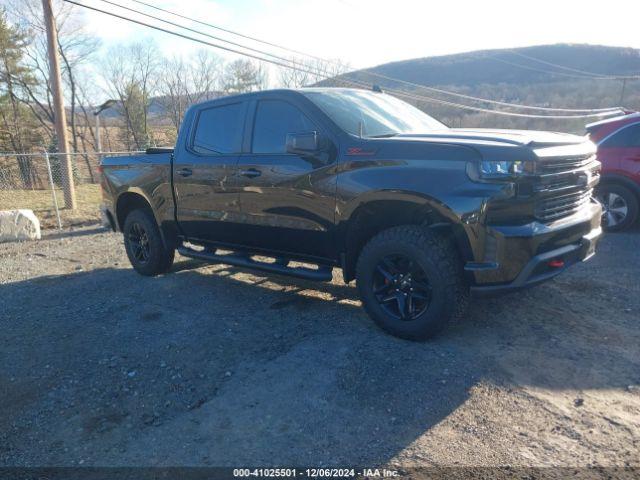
x: 557, y: 263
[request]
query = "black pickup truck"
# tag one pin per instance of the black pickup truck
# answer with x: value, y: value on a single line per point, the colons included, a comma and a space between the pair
x: 299, y: 182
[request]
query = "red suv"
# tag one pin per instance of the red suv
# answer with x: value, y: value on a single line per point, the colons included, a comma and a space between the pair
x: 618, y: 141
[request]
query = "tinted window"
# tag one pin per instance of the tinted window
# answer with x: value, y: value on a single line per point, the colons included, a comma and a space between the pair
x: 627, y: 137
x: 370, y: 114
x: 219, y: 129
x: 274, y: 119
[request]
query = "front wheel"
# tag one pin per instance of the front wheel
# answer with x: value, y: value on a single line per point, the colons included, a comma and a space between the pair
x: 619, y: 207
x: 410, y: 282
x: 143, y: 243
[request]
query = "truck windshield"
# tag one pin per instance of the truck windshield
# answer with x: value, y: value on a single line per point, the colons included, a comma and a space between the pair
x: 372, y: 114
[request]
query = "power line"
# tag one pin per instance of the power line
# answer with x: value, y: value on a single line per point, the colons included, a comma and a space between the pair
x: 305, y: 70
x: 535, y: 69
x: 598, y: 75
x: 370, y: 72
x: 367, y: 71
x: 582, y: 72
x: 495, y: 102
x: 124, y: 7
x: 264, y: 42
x: 402, y: 93
x: 204, y: 42
x: 564, y: 74
x: 187, y: 37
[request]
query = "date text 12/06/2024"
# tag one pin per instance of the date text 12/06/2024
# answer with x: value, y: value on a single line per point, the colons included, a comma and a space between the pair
x: 315, y: 472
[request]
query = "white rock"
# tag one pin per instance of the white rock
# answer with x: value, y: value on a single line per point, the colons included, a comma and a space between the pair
x: 16, y: 225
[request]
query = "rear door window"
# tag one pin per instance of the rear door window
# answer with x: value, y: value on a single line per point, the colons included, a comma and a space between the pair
x: 219, y: 129
x: 627, y: 137
x: 274, y: 120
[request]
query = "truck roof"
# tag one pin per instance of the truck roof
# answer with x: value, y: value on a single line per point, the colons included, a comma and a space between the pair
x: 286, y: 91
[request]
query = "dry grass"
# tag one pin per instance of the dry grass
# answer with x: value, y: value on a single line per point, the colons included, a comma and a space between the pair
x: 88, y: 198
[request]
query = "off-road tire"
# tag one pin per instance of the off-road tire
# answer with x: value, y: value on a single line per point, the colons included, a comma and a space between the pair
x: 159, y: 258
x: 437, y: 256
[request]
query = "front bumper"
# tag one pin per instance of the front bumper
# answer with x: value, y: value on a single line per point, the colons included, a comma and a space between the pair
x: 523, y: 254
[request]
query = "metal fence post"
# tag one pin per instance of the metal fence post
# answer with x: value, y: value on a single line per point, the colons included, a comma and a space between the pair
x: 53, y: 189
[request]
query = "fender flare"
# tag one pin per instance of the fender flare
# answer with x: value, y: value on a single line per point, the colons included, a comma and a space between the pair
x: 141, y: 193
x: 443, y: 217
x: 418, y: 199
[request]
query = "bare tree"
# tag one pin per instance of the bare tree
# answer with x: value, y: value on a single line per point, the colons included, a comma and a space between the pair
x: 76, y: 48
x: 295, y: 77
x: 308, y: 72
x: 206, y: 76
x: 131, y: 76
x: 244, y: 76
x: 190, y: 80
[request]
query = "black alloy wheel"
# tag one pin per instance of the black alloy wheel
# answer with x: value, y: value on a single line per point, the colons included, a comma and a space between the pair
x: 411, y: 282
x: 146, y: 250
x: 138, y: 240
x: 401, y: 287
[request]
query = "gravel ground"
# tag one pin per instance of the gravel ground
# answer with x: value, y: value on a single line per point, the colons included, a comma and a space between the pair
x: 212, y: 365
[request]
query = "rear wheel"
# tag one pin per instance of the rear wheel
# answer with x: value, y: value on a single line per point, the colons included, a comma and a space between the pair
x: 143, y: 243
x: 410, y: 281
x: 619, y: 207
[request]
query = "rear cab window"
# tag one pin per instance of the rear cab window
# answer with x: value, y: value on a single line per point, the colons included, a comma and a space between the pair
x: 219, y: 129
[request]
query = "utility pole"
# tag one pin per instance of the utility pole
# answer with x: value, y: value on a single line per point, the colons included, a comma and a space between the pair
x: 624, y: 85
x: 98, y: 140
x: 60, y: 116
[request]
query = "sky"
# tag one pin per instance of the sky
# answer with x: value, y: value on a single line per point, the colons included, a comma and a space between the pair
x: 368, y: 33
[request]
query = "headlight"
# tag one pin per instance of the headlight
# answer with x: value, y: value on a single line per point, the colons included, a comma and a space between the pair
x: 504, y: 169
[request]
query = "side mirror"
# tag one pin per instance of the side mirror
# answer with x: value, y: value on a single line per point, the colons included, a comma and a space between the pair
x: 305, y: 143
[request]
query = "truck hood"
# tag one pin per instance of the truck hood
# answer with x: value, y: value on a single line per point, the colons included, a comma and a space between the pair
x: 504, y: 145
x: 529, y: 138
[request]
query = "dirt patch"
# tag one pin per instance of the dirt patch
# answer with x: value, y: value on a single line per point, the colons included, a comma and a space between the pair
x: 88, y: 197
x: 213, y: 365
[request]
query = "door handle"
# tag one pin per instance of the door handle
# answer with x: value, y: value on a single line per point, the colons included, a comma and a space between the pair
x: 251, y: 173
x: 184, y: 172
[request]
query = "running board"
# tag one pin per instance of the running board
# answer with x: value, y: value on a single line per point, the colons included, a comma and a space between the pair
x: 322, y: 274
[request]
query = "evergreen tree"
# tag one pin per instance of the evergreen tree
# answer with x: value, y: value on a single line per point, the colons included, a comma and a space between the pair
x: 18, y: 128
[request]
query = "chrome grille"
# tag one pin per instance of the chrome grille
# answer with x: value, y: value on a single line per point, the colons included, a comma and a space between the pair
x: 563, y: 164
x: 561, y: 186
x: 554, y: 207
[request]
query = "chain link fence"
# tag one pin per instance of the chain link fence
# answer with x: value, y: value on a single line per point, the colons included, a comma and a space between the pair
x: 35, y: 181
